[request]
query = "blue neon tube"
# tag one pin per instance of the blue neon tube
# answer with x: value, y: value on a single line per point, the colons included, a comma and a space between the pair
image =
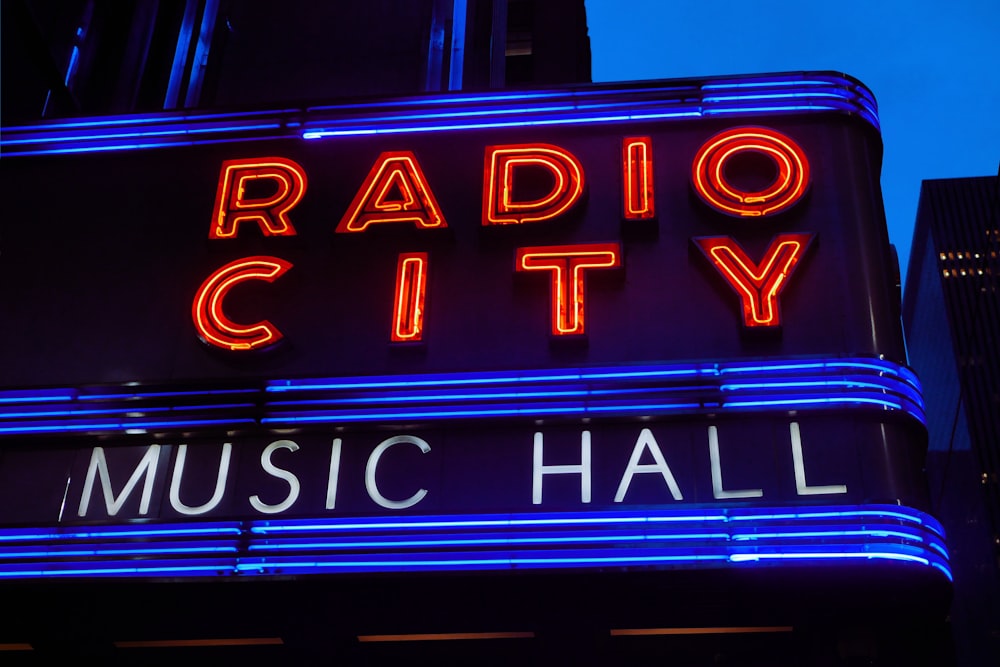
x: 728, y: 537
x: 805, y: 93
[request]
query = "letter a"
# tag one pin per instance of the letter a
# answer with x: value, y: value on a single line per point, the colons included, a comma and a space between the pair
x: 644, y: 442
x: 395, y: 190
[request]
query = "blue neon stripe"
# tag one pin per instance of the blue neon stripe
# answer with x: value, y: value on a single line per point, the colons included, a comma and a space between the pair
x: 116, y: 426
x: 944, y: 569
x: 73, y: 412
x: 554, y: 538
x: 798, y: 385
x: 807, y: 93
x: 114, y: 551
x: 417, y: 414
x: 650, y: 389
x: 812, y: 401
x: 744, y: 558
x: 566, y: 519
x: 766, y: 537
x: 36, y: 396
x: 771, y: 96
x: 482, y: 563
x: 431, y: 396
x: 827, y: 533
x: 768, y: 83
x: 458, y: 397
x: 457, y: 379
x: 138, y: 570
x: 152, y: 133
x: 458, y: 542
x: 199, y: 530
x: 139, y: 119
x: 132, y: 395
x: 916, y: 517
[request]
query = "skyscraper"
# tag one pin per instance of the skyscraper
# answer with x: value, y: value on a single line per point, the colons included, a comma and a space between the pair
x: 951, y: 315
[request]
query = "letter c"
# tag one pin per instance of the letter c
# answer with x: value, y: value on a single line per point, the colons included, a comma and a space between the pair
x: 372, y: 466
x: 212, y: 324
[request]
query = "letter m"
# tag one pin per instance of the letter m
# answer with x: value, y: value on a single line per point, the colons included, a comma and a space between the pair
x: 99, y: 466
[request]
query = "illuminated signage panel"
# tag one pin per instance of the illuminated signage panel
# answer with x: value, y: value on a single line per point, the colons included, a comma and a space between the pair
x: 434, y: 471
x: 649, y: 241
x: 459, y: 332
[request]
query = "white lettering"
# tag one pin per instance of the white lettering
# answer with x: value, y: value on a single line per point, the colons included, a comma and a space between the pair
x: 331, y: 484
x: 280, y: 473
x: 798, y: 462
x: 220, y: 482
x: 647, y: 441
x: 717, y: 491
x: 99, y: 465
x: 372, y: 466
x: 539, y: 470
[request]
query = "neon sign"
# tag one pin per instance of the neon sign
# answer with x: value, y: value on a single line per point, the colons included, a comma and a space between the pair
x: 708, y: 173
x: 234, y: 205
x: 637, y: 178
x: 501, y: 207
x: 408, y: 304
x: 567, y: 265
x: 757, y: 284
x: 212, y: 324
x: 396, y: 190
x: 415, y: 416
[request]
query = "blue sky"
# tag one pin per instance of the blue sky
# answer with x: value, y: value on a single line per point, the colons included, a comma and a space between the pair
x: 934, y: 68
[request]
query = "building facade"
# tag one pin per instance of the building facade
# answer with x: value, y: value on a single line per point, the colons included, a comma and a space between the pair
x: 333, y: 338
x: 951, y: 316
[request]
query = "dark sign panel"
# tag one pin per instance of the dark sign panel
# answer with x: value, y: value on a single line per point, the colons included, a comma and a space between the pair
x: 459, y: 333
x: 525, y: 247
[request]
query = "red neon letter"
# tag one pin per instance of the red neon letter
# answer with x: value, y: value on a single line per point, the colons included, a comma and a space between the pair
x: 499, y: 207
x: 567, y: 264
x: 758, y: 285
x: 395, y: 190
x: 408, y: 304
x: 270, y: 212
x: 709, y: 176
x: 637, y: 178
x: 212, y: 324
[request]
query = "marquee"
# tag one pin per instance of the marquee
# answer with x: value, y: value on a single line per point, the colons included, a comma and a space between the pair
x: 616, y: 326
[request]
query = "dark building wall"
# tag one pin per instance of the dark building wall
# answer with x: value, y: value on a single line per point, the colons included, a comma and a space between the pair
x: 951, y: 315
x: 84, y: 57
x: 314, y: 51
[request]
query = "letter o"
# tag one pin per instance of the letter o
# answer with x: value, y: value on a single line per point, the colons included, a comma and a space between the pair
x: 710, y: 182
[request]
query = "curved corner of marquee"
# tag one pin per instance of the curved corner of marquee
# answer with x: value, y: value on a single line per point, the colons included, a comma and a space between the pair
x: 856, y: 536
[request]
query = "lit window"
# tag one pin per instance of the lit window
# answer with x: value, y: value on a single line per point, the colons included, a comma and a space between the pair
x: 942, y: 257
x: 951, y: 255
x: 946, y: 273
